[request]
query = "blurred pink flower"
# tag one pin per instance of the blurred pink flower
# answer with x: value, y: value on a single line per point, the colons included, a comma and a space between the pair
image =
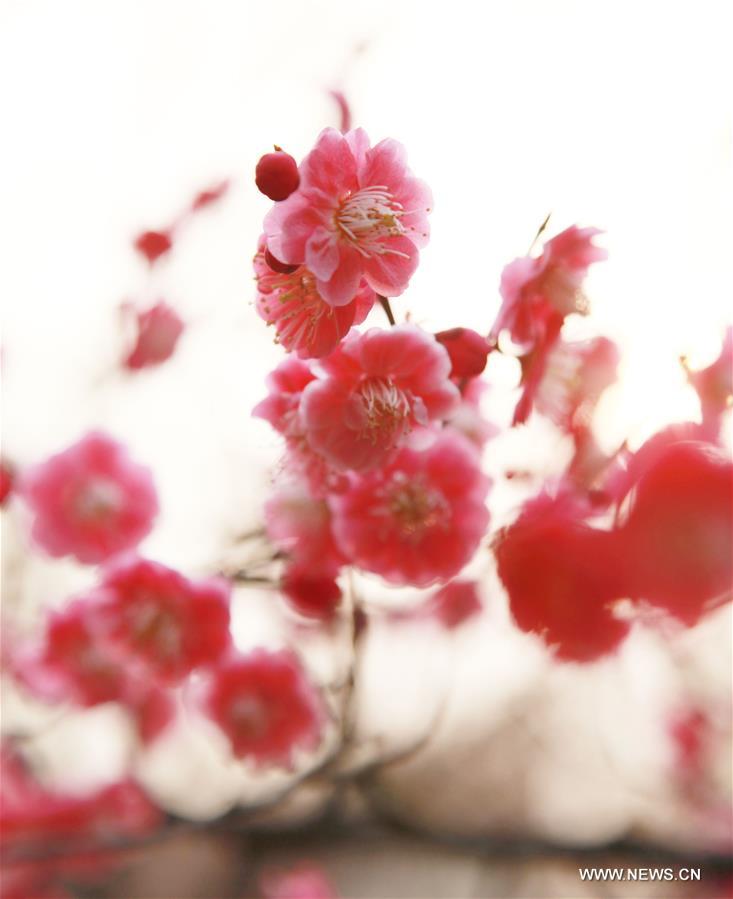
x: 90, y: 501
x: 32, y: 813
x: 285, y: 384
x: 714, y: 387
x: 574, y: 377
x: 162, y: 621
x: 537, y: 292
x: 311, y: 590
x: 158, y: 330
x: 266, y: 706
x: 74, y: 663
x: 210, y: 196
x: 7, y: 477
x: 304, y: 322
x: 304, y: 882
x: 420, y: 518
x: 454, y: 604
x: 678, y: 537
x: 357, y: 213
x: 467, y: 418
x: 378, y: 387
x: 153, y: 244
x: 299, y: 524
x: 467, y: 349
x: 562, y: 577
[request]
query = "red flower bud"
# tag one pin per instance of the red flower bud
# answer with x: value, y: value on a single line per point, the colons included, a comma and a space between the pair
x: 153, y: 244
x: 468, y: 351
x: 276, y: 175
x: 281, y: 267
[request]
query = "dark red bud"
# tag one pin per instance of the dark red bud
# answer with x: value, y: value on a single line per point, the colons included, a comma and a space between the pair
x: 276, y: 175
x: 282, y: 267
x: 153, y: 244
x: 467, y: 349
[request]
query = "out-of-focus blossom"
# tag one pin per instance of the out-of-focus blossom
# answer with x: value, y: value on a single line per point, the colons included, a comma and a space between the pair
x: 420, y: 518
x: 562, y: 576
x: 678, y: 537
x: 467, y: 349
x: 305, y: 324
x: 78, y: 663
x: 344, y: 110
x: 312, y: 591
x: 714, y: 387
x: 276, y: 175
x: 299, y: 524
x: 304, y: 882
x: 538, y: 292
x: 7, y: 476
x: 574, y: 377
x: 90, y: 501
x: 32, y: 814
x: 206, y: 198
x: 467, y: 417
x: 266, y: 706
x: 285, y: 384
x: 162, y: 621
x: 689, y: 732
x: 74, y: 663
x: 281, y: 408
x: 158, y: 330
x: 378, y: 387
x: 358, y: 212
x: 454, y: 604
x: 153, y: 244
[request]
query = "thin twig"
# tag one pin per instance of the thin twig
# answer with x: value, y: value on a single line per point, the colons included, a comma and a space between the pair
x: 384, y: 303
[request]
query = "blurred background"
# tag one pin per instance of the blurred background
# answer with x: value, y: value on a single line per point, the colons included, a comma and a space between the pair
x: 611, y: 115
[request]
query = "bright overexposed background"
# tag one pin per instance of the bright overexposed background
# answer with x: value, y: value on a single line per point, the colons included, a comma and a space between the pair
x: 115, y: 113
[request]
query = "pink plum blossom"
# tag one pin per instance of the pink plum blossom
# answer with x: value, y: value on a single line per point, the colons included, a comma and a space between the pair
x: 282, y: 409
x: 378, y: 387
x: 266, y: 706
x: 574, y: 377
x: 285, y: 384
x: 299, y: 524
x: 358, y: 213
x: 537, y: 292
x: 162, y: 621
x: 306, y: 881
x: 158, y: 330
x: 311, y: 591
x: 419, y: 519
x: 562, y: 578
x: 714, y: 387
x: 90, y: 501
x: 304, y: 322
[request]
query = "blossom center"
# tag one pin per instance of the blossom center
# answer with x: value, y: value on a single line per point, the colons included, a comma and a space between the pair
x: 158, y: 627
x: 368, y: 217
x: 293, y: 302
x: 97, y: 500
x: 249, y: 716
x: 415, y: 507
x: 386, y: 411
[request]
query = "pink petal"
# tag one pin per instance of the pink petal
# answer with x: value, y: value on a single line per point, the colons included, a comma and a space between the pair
x: 390, y: 273
x: 343, y: 285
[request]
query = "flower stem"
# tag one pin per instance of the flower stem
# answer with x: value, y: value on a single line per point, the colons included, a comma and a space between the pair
x: 384, y: 303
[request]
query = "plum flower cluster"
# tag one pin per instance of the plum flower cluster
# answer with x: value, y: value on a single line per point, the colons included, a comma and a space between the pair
x: 143, y: 630
x: 381, y: 475
x: 383, y: 429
